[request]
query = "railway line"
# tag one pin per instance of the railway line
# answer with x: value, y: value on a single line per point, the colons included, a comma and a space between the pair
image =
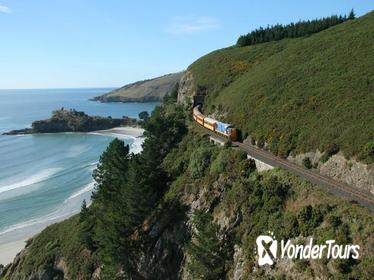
x: 333, y: 186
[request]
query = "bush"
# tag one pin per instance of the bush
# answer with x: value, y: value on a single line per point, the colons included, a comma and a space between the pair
x: 309, y: 218
x: 228, y: 144
x: 324, y: 158
x: 199, y: 161
x: 332, y: 149
x: 367, y: 153
x: 220, y: 162
x: 307, y: 163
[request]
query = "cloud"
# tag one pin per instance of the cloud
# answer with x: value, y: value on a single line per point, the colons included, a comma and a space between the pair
x: 5, y: 9
x: 192, y: 24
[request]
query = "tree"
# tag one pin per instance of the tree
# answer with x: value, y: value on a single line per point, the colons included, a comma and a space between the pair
x: 87, y: 223
x: 144, y: 116
x: 127, y: 188
x: 110, y: 172
x: 207, y: 254
x: 113, y: 225
x: 352, y: 14
x: 292, y: 30
x: 307, y: 163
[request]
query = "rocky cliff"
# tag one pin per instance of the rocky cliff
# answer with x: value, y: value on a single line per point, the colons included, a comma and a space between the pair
x: 186, y: 89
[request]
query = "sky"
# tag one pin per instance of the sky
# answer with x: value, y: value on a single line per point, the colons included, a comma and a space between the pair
x: 97, y: 43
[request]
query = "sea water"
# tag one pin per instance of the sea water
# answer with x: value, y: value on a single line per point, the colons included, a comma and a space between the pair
x: 44, y: 178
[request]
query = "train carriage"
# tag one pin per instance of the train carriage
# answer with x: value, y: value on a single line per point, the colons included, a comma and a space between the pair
x: 222, y: 129
x: 210, y: 123
x: 198, y: 116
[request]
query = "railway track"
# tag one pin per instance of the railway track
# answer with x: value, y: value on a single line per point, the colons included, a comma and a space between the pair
x: 333, y: 186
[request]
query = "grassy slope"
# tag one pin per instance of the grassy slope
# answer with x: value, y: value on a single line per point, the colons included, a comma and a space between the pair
x: 148, y: 90
x: 299, y: 94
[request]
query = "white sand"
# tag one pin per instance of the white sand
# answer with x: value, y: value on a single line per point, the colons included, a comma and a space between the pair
x: 125, y: 130
x: 9, y: 250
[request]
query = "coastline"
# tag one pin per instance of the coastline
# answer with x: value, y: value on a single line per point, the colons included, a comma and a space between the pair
x: 9, y: 250
x: 136, y: 132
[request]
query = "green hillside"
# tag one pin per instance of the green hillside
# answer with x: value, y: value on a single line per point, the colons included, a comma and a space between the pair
x: 152, y: 90
x: 298, y: 94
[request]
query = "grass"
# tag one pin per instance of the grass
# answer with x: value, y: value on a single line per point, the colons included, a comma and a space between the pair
x: 298, y: 94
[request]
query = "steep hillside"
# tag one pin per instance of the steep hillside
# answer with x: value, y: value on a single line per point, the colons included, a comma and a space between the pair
x: 298, y: 95
x: 205, y: 225
x: 143, y: 91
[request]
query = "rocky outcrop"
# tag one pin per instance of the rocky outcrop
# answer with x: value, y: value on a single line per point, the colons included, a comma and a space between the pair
x: 349, y: 171
x: 72, y: 121
x: 239, y: 263
x: 164, y: 239
x: 186, y: 89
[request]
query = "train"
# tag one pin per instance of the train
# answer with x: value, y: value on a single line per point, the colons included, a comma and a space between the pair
x: 222, y: 129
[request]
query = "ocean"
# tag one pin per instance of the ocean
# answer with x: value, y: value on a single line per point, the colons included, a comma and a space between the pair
x: 45, y: 178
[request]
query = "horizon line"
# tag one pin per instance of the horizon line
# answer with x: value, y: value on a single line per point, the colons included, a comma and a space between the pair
x: 46, y: 88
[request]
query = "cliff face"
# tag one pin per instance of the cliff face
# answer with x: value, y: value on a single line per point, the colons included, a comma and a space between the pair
x: 186, y: 89
x: 153, y: 90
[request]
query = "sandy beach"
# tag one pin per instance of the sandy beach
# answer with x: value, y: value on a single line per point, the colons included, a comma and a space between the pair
x: 10, y: 249
x: 125, y: 130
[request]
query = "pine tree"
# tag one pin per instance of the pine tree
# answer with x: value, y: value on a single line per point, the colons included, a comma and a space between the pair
x: 110, y: 172
x: 112, y: 220
x: 292, y: 30
x: 87, y: 224
x: 352, y: 15
x: 207, y: 256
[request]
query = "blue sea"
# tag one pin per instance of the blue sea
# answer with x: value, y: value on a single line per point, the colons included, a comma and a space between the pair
x: 45, y: 178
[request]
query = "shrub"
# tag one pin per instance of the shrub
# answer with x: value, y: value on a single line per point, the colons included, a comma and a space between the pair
x: 199, y: 161
x: 367, y: 153
x: 332, y: 149
x: 228, y: 143
x: 220, y: 162
x: 324, y: 158
x: 309, y: 218
x: 307, y: 163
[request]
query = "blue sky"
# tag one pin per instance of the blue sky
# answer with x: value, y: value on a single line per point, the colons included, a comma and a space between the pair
x: 97, y: 43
